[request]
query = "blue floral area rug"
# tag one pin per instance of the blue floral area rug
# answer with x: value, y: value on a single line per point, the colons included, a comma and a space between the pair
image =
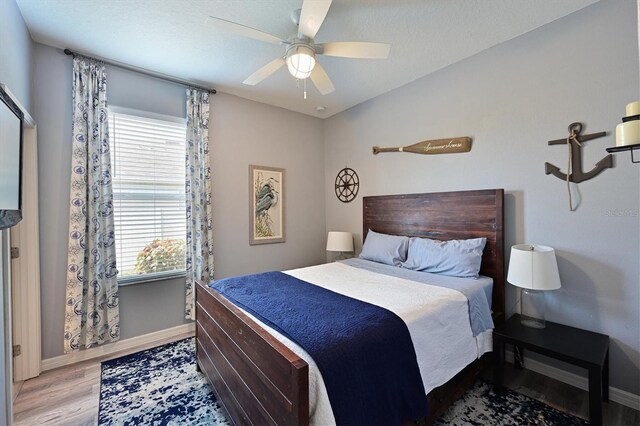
x: 161, y: 386
x: 480, y: 406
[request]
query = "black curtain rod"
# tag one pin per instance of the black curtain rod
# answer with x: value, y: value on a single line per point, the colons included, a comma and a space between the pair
x: 142, y: 71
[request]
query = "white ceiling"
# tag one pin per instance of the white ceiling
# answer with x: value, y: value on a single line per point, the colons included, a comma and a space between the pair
x: 172, y: 37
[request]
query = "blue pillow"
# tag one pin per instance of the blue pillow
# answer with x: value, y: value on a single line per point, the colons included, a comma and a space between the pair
x: 383, y: 248
x: 457, y: 258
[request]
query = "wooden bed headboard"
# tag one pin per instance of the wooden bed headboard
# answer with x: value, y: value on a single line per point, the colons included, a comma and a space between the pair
x: 447, y: 216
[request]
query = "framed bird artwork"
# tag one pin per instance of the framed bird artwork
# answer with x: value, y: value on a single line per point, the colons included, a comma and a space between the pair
x: 266, y: 205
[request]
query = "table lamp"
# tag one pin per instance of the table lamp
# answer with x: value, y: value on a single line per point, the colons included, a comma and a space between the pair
x: 534, y: 269
x: 341, y: 242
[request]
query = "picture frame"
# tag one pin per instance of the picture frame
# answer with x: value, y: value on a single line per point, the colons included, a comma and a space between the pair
x: 266, y: 205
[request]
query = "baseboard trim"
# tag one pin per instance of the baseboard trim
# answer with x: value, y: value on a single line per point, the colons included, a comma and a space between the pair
x: 109, y: 348
x: 17, y: 386
x: 617, y: 395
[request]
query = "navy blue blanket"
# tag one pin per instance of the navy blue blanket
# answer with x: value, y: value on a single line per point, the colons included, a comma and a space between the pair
x: 364, y: 352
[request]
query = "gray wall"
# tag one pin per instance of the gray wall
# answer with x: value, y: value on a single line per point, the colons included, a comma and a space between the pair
x: 242, y: 133
x: 16, y: 65
x: 52, y: 110
x: 246, y: 132
x: 16, y: 52
x: 512, y: 99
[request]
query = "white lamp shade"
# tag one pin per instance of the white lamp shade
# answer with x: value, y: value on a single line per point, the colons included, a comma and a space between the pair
x: 533, y: 267
x: 340, y: 241
x: 300, y: 61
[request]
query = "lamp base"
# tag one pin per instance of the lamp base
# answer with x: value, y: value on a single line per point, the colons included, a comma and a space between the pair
x: 532, y: 308
x: 340, y: 256
x: 532, y: 322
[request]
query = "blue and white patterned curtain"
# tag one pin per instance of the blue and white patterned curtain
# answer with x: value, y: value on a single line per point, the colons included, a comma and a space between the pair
x: 199, y: 262
x: 92, y: 315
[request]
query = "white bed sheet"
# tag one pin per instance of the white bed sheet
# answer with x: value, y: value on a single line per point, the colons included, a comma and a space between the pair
x: 437, y: 319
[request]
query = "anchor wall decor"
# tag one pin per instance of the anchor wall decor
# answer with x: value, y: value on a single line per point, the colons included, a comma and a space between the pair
x: 575, y: 173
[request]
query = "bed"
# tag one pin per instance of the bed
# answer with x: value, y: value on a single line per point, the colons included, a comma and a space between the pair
x: 259, y: 379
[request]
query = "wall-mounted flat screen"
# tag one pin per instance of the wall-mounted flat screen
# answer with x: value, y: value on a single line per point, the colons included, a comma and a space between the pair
x: 10, y: 162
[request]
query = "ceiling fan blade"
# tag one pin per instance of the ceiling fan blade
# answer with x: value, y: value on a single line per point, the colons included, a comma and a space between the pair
x: 321, y: 80
x: 312, y: 16
x: 243, y: 30
x: 264, y: 72
x: 356, y: 49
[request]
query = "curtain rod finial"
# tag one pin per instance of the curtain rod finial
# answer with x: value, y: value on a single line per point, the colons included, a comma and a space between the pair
x: 68, y: 52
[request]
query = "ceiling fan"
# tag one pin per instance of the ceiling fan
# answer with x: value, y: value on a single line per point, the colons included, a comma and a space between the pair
x: 301, y: 50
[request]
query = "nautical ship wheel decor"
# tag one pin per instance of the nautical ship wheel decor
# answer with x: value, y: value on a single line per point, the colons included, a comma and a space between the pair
x: 347, y: 185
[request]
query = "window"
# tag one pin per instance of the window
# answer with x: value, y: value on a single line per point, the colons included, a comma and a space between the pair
x: 147, y: 163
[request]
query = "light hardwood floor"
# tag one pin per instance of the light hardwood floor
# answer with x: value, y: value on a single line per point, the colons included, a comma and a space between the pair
x: 70, y: 395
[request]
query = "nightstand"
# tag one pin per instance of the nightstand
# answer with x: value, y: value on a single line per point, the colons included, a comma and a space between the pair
x: 583, y: 348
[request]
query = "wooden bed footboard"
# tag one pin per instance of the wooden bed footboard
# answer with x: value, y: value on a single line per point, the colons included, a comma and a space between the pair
x: 256, y: 378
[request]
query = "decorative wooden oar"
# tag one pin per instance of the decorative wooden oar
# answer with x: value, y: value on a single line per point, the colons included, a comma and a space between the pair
x: 437, y: 146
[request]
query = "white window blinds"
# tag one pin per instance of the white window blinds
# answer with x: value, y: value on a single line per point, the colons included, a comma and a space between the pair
x: 148, y: 160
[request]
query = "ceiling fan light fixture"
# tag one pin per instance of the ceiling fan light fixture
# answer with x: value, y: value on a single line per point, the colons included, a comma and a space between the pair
x: 301, y: 59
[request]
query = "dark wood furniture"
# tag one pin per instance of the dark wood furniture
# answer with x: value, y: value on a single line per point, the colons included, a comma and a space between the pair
x: 258, y: 380
x: 569, y: 344
x: 446, y: 216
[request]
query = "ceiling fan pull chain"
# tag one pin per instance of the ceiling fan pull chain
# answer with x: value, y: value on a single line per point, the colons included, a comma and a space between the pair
x: 305, y: 88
